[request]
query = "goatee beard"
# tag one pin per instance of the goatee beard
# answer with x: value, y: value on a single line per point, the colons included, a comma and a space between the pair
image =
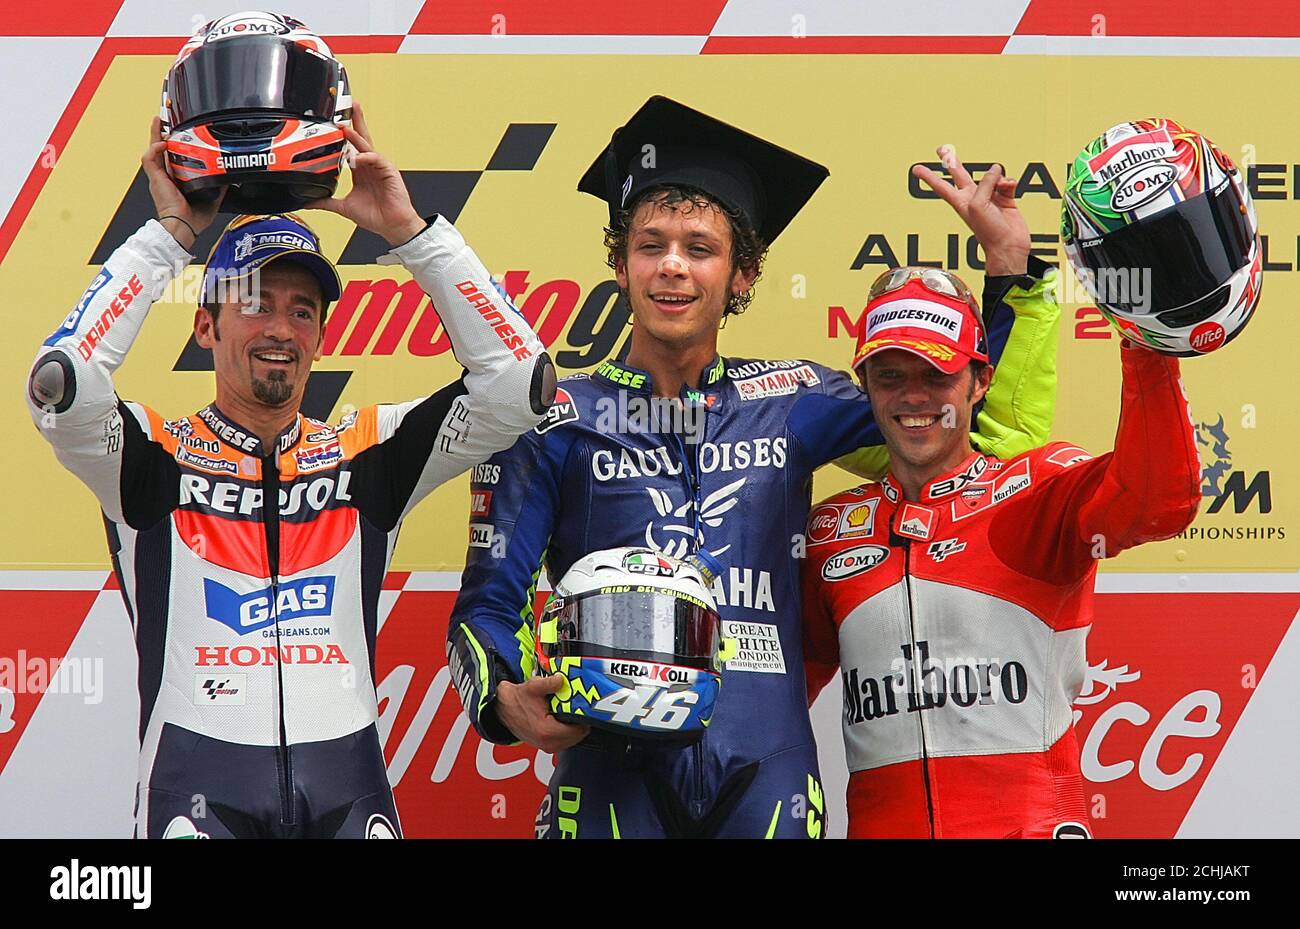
x: 274, y: 391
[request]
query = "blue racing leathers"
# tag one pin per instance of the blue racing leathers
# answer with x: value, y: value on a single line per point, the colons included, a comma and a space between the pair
x: 609, y: 467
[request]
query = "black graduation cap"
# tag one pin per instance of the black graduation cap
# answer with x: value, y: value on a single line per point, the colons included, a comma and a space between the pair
x: 765, y: 182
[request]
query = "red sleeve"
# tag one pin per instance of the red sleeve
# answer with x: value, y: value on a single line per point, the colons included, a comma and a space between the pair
x: 821, y: 641
x: 1147, y: 489
x: 1151, y: 487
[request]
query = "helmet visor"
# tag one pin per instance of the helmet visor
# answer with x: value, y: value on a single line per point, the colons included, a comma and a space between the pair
x: 635, y: 623
x: 253, y: 73
x: 1173, y: 258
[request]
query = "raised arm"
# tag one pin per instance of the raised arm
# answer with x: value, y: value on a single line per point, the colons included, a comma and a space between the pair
x: 70, y: 393
x: 1147, y: 489
x: 509, y: 380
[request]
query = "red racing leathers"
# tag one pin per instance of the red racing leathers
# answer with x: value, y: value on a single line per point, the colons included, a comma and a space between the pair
x: 958, y: 621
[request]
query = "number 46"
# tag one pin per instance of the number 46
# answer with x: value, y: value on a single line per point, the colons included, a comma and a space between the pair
x: 669, y: 711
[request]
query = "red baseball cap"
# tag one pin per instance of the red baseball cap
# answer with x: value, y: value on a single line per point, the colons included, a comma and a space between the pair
x: 945, y: 331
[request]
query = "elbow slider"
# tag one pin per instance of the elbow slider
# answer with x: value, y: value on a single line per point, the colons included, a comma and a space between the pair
x: 52, y: 385
x: 541, y: 393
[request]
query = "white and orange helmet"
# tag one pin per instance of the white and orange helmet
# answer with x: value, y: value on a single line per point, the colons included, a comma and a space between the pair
x: 256, y: 102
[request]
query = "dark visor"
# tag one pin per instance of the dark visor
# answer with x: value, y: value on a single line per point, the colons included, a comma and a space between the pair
x: 652, y: 622
x: 265, y: 73
x: 1185, y: 253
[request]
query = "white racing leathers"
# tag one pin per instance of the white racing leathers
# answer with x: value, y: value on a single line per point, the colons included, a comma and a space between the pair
x: 255, y: 625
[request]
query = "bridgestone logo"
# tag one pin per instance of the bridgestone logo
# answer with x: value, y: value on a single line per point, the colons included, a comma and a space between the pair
x: 923, y: 314
x: 256, y: 160
x: 883, y: 317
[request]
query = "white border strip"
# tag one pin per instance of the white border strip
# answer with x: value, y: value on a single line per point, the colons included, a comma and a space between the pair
x: 1256, y: 583
x: 1111, y: 583
x: 53, y: 580
x: 871, y: 18
x: 1155, y: 46
x: 449, y: 580
x: 552, y: 44
x: 323, y: 17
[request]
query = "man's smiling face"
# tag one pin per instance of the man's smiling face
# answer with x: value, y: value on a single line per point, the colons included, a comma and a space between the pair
x: 678, y: 271
x: 923, y: 413
x: 263, y: 348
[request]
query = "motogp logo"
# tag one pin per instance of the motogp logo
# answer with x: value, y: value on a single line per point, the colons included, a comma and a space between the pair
x: 941, y: 550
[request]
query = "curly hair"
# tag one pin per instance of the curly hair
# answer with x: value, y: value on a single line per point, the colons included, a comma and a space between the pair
x: 747, y: 249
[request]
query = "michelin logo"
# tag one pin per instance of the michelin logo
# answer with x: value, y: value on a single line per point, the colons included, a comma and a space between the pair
x: 185, y: 456
x: 246, y: 244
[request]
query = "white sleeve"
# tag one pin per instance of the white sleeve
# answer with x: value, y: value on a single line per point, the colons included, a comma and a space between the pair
x: 70, y: 393
x: 509, y: 379
x: 488, y: 336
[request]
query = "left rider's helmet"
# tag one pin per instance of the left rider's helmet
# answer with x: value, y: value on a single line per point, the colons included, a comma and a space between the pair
x: 256, y: 102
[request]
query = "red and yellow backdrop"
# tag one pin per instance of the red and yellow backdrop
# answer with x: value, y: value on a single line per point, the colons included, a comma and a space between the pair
x: 492, y: 110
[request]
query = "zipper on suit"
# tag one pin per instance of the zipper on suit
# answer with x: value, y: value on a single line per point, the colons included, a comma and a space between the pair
x: 920, y: 713
x: 271, y: 523
x: 691, y: 471
x: 691, y: 480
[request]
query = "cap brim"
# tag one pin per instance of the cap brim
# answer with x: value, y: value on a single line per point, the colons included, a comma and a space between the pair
x: 946, y: 359
x: 330, y: 285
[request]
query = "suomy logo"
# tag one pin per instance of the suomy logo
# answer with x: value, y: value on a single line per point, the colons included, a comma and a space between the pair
x: 854, y: 561
x: 1143, y: 185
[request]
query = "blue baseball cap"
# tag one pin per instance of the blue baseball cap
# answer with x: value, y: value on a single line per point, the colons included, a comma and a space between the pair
x: 251, y: 242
